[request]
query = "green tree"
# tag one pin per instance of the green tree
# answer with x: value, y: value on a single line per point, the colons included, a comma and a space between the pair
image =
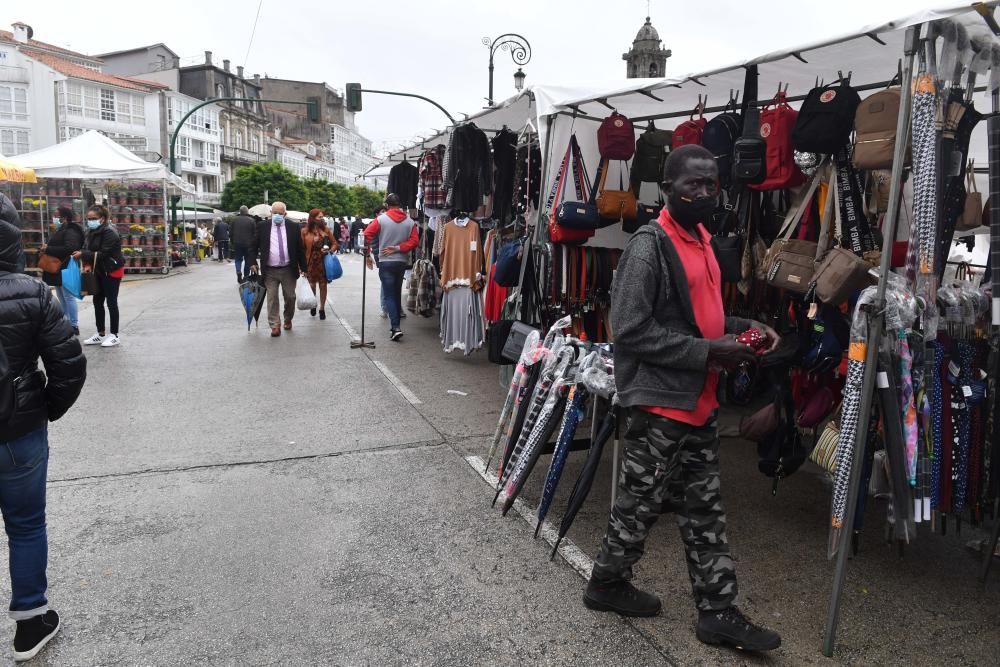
x: 367, y: 200
x: 335, y: 199
x: 250, y: 183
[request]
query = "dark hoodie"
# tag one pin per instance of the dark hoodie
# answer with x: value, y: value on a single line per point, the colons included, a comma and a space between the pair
x: 32, y: 326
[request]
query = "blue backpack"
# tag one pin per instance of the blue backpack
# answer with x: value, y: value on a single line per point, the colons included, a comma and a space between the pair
x: 508, y: 264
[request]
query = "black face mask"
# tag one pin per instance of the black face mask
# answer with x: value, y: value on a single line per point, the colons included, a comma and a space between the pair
x: 690, y: 212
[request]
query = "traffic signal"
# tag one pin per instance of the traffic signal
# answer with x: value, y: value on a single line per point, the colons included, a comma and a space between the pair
x: 312, y: 109
x: 354, y: 97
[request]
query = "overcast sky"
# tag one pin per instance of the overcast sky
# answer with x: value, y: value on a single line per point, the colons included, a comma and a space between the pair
x: 434, y: 47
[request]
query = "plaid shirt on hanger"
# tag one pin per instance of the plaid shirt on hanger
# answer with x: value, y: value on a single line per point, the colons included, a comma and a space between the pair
x: 432, y: 178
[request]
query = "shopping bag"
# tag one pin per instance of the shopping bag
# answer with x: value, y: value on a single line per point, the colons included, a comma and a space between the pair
x: 332, y: 267
x: 71, y: 281
x: 304, y: 298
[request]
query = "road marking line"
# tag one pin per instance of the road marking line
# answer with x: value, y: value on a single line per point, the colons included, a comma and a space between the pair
x: 349, y: 329
x: 572, y: 554
x: 397, y: 383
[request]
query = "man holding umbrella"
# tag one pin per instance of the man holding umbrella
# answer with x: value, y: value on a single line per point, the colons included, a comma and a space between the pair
x: 671, y: 338
x: 278, y: 244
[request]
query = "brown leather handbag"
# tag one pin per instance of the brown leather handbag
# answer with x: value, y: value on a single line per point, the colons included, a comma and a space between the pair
x: 790, y: 263
x: 972, y: 215
x: 49, y: 263
x: 615, y: 206
x: 839, y: 275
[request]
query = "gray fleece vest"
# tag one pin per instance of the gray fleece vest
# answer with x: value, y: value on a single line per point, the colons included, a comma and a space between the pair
x: 392, y: 233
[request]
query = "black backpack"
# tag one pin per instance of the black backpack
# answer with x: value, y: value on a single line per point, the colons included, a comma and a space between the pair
x: 826, y: 119
x: 651, y: 149
x: 719, y: 137
x: 6, y: 387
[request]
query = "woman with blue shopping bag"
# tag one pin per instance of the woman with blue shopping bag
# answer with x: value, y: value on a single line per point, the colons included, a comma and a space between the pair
x: 66, y: 238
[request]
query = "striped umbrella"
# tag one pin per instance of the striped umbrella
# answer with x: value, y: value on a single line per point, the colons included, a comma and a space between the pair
x: 544, y: 427
x: 534, y: 411
x: 530, y: 355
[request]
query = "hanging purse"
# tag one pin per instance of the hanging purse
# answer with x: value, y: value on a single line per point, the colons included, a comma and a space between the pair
x: 728, y: 249
x: 645, y: 214
x: 840, y: 272
x: 571, y: 222
x: 790, y: 263
x: 614, y: 206
x: 824, y: 454
x: 972, y: 214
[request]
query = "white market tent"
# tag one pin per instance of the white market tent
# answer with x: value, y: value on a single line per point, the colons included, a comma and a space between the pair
x: 95, y: 157
x: 871, y: 55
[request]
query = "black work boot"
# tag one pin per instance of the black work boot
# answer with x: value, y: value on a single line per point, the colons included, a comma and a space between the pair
x: 620, y: 597
x: 729, y: 627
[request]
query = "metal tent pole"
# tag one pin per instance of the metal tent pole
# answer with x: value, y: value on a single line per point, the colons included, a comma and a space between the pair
x: 875, y: 325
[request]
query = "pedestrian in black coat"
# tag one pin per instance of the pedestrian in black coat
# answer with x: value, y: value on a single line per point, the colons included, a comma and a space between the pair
x: 32, y: 326
x: 64, y: 241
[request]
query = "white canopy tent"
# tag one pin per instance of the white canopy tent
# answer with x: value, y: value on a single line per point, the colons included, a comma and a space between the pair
x: 870, y: 55
x: 93, y: 156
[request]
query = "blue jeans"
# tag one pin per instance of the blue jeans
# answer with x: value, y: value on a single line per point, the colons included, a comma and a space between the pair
x: 391, y: 275
x: 24, y: 465
x: 241, y: 254
x: 69, y: 306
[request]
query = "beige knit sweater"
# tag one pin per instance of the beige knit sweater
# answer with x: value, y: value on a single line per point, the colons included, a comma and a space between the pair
x: 461, y: 255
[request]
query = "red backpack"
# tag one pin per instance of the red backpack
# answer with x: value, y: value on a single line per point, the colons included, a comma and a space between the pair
x: 690, y: 131
x: 616, y: 138
x: 777, y: 121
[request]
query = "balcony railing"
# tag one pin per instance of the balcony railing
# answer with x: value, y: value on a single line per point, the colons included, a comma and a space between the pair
x: 241, y: 155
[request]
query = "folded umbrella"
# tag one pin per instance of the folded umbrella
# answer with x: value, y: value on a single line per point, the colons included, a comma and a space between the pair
x: 545, y: 426
x: 252, y: 293
x: 572, y: 417
x: 583, y: 485
x: 530, y: 355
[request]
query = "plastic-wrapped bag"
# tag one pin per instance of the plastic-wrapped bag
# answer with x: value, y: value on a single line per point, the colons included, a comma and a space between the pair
x: 71, y: 279
x: 332, y: 267
x: 304, y: 298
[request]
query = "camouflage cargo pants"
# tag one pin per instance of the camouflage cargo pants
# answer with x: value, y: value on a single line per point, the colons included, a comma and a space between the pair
x: 674, y: 467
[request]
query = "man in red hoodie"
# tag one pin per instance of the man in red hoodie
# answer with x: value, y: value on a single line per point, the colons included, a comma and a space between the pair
x: 397, y: 236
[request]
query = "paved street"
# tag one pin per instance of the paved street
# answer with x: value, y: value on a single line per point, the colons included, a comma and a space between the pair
x: 217, y: 496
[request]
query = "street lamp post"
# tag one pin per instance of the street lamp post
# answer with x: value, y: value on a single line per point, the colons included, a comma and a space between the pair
x: 520, y: 53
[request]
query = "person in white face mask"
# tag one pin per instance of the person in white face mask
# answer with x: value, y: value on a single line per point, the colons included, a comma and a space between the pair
x: 278, y: 251
x: 102, y: 249
x: 65, y: 239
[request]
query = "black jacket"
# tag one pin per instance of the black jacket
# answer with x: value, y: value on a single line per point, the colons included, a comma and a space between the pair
x: 468, y: 169
x: 403, y: 183
x: 62, y: 244
x: 221, y: 231
x: 242, y: 231
x: 262, y: 245
x: 108, y: 245
x: 32, y: 326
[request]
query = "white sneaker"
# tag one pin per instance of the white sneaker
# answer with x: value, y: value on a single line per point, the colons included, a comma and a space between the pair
x: 111, y: 341
x: 96, y: 339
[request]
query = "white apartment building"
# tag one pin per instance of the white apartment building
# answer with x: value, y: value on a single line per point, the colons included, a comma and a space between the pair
x: 352, y: 154
x: 49, y: 94
x: 303, y: 158
x: 199, y: 145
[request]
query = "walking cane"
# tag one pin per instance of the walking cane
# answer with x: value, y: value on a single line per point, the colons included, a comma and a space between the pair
x: 362, y: 343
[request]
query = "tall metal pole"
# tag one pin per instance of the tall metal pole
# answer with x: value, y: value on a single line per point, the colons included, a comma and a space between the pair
x: 876, y: 321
